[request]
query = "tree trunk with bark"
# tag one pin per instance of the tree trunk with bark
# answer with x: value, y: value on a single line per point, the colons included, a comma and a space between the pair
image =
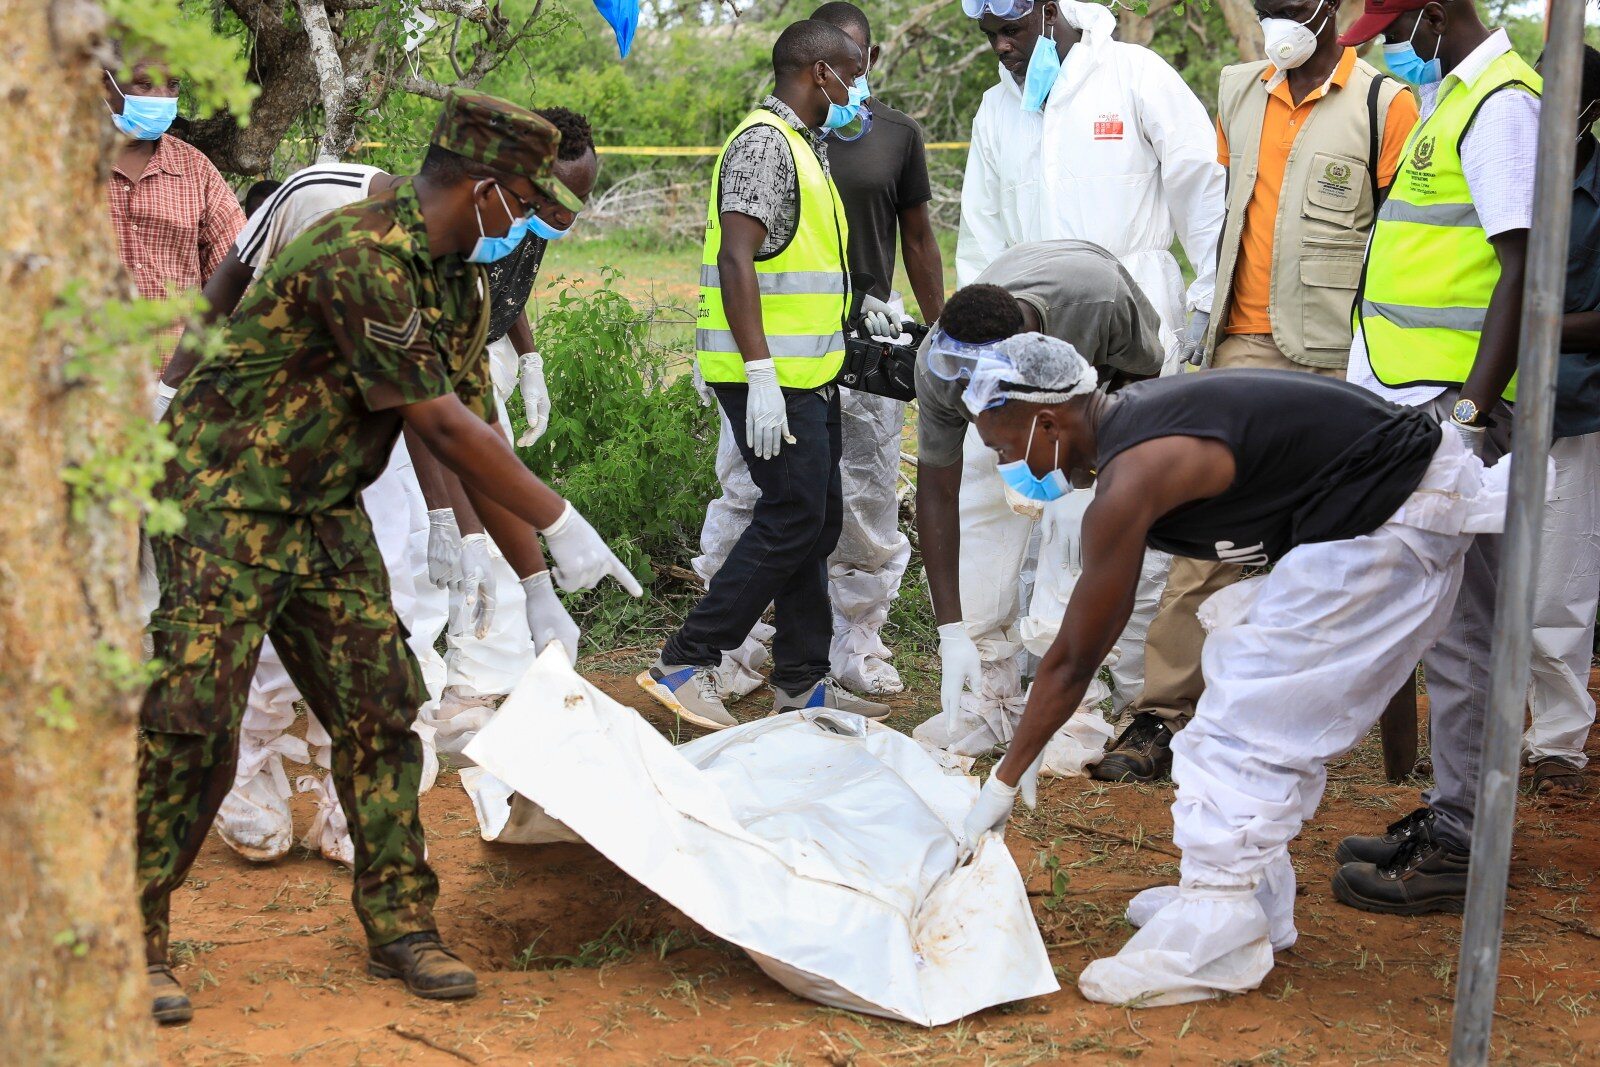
x: 70, y: 950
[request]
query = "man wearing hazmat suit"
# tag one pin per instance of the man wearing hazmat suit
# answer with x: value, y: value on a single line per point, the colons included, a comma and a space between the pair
x: 1365, y: 508
x: 881, y: 170
x: 440, y: 569
x: 1091, y: 139
x: 1077, y: 292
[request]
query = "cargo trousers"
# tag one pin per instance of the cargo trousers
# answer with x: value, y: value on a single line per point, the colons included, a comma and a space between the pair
x: 344, y: 648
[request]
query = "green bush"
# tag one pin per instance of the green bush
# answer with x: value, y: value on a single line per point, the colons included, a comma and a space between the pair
x: 628, y: 443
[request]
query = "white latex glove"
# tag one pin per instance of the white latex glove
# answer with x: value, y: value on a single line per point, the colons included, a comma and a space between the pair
x: 163, y: 400
x: 1471, y: 436
x: 1028, y: 784
x: 1192, y: 345
x: 444, y: 546
x: 582, y: 560
x: 960, y: 668
x: 879, y: 319
x: 547, y: 618
x: 473, y: 587
x: 766, y: 416
x: 535, y: 397
x: 988, y: 814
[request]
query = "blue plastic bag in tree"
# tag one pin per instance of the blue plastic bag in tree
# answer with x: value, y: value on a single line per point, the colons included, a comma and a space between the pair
x: 623, y: 15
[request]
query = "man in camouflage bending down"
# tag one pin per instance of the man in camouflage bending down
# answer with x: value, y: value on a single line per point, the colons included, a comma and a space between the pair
x: 373, y: 317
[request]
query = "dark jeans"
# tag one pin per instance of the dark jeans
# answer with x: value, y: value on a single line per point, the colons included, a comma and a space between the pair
x: 782, y: 557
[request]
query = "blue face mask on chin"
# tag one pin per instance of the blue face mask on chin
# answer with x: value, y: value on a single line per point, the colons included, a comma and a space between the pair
x: 847, y: 112
x: 144, y: 118
x: 1021, y: 480
x: 1044, y: 67
x: 490, y: 249
x: 1405, y: 64
x: 540, y: 228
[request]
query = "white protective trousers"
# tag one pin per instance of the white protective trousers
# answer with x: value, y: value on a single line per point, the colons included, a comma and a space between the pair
x: 1001, y: 569
x: 1299, y: 664
x: 1562, y: 711
x: 865, y: 569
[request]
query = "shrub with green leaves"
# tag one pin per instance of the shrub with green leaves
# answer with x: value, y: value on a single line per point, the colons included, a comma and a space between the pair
x: 628, y: 443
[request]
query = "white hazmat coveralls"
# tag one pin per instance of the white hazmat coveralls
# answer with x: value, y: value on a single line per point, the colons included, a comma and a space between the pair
x: 1123, y: 155
x: 1299, y: 663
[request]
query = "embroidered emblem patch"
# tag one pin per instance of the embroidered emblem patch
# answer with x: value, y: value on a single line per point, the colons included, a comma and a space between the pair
x: 399, y: 336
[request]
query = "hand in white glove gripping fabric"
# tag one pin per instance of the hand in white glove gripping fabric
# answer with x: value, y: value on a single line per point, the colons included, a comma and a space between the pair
x: 988, y: 814
x: 535, y: 397
x: 547, y: 618
x: 471, y: 591
x: 766, y: 416
x: 960, y: 668
x: 582, y: 560
x: 444, y: 547
x: 1192, y: 345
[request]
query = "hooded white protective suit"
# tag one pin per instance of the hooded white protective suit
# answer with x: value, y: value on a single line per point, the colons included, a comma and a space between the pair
x: 1123, y: 155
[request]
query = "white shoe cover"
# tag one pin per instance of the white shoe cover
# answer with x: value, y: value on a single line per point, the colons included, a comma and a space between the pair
x: 254, y: 819
x: 330, y: 832
x: 870, y: 676
x: 1275, y: 894
x: 739, y: 673
x: 430, y: 755
x: 1206, y: 942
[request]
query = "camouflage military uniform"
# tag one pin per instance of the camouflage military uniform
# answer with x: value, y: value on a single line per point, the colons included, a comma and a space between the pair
x: 276, y: 438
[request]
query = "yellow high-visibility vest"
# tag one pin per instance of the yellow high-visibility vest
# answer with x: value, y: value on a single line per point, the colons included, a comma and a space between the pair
x: 1430, y: 268
x: 805, y: 286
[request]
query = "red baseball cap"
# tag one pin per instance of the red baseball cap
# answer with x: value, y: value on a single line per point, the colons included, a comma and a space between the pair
x: 1376, y: 18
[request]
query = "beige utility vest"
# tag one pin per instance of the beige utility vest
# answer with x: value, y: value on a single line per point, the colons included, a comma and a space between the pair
x: 1326, y: 208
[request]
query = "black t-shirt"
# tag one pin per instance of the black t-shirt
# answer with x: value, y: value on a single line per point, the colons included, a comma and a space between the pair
x: 1317, y: 459
x: 879, y: 175
x: 511, y: 283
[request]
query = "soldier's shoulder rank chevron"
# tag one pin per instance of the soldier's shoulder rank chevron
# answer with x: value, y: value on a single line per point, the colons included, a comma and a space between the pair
x: 399, y: 336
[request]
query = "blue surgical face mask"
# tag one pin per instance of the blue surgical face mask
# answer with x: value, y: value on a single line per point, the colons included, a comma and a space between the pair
x: 541, y: 228
x: 1044, y: 67
x: 1405, y: 64
x: 145, y: 118
x: 489, y: 249
x: 1020, y: 479
x: 845, y: 113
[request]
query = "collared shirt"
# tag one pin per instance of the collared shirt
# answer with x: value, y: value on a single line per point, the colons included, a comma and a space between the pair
x: 758, y: 176
x: 1578, y: 373
x: 1499, y: 153
x: 173, y: 224
x: 1282, y: 122
x: 278, y: 434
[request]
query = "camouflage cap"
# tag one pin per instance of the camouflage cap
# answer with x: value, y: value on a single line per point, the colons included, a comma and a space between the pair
x: 499, y: 134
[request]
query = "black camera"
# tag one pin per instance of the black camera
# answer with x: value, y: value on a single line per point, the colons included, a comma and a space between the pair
x: 880, y: 367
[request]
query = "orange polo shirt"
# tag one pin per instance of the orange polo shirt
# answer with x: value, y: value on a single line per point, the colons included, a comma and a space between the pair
x: 1283, y: 121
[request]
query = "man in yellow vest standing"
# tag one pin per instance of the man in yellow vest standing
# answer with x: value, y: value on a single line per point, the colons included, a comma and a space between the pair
x: 1311, y: 137
x: 1437, y: 321
x: 774, y: 297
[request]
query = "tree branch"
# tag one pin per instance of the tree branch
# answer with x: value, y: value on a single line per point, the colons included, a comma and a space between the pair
x: 472, y: 10
x: 330, y: 70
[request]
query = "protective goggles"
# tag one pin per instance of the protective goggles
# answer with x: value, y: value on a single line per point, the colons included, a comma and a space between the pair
x: 1005, y: 10
x: 856, y: 128
x: 954, y: 360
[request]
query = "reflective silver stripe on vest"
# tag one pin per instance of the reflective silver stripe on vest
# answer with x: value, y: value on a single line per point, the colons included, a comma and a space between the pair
x: 1409, y: 317
x: 1465, y: 215
x: 799, y: 346
x: 784, y: 283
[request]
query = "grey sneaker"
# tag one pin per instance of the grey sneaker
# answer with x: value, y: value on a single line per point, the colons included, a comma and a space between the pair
x: 827, y: 693
x: 690, y: 692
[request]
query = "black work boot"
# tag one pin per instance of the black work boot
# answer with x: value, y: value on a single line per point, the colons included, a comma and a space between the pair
x: 1142, y: 754
x: 169, y: 1004
x: 428, y: 969
x: 1426, y: 877
x: 1381, y: 850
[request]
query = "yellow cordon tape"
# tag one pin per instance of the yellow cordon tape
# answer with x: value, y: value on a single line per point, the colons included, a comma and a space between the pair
x: 690, y: 150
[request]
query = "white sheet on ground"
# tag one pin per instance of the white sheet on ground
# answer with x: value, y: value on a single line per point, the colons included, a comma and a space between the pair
x: 821, y: 844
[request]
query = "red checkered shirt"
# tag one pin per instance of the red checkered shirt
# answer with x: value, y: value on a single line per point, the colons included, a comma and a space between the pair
x: 174, y: 225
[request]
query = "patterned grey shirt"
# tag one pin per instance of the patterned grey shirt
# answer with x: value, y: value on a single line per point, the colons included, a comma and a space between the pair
x: 758, y: 176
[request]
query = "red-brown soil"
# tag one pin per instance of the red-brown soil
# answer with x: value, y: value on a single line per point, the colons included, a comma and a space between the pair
x: 579, y: 964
